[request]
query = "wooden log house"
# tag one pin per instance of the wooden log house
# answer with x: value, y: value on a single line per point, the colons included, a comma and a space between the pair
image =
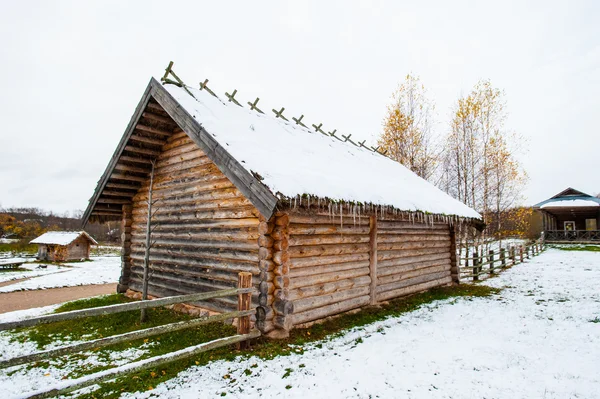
x: 59, y: 246
x: 323, y: 224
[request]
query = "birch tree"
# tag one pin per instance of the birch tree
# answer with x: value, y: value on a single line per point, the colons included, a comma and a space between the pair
x: 407, y: 128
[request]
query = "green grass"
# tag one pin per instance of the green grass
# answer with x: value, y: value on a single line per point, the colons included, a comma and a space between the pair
x: 95, y: 327
x: 577, y: 247
x: 21, y: 247
x: 16, y: 269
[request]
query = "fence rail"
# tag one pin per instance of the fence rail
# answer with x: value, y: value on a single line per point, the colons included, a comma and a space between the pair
x: 572, y: 235
x: 498, y: 260
x: 244, y: 333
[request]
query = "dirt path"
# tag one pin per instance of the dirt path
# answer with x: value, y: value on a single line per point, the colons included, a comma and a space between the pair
x: 20, y: 300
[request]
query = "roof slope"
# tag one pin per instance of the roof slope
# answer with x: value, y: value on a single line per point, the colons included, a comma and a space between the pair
x: 292, y: 160
x: 569, y: 197
x: 265, y: 157
x: 61, y: 237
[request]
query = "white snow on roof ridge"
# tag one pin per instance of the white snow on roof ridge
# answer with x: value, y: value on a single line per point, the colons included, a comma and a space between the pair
x: 61, y: 237
x: 293, y: 160
x: 566, y: 202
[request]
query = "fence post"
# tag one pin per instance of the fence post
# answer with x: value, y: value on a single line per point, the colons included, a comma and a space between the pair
x: 521, y: 252
x: 244, y: 300
x: 491, y: 260
x: 475, y: 266
x: 513, y: 257
x: 503, y: 257
x: 527, y: 254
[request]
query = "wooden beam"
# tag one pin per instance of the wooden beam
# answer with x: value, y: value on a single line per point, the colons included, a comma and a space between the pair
x: 109, y: 193
x: 154, y: 130
x: 121, y: 176
x: 127, y: 158
x: 158, y: 118
x: 122, y: 186
x: 155, y: 106
x: 113, y: 201
x: 147, y: 140
x: 373, y: 258
x: 129, y: 168
x: 140, y: 150
x: 103, y: 213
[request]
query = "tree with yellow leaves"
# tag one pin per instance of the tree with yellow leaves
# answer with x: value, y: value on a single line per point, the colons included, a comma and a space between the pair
x: 407, y: 128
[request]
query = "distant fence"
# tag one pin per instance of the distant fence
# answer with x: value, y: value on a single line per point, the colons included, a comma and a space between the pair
x: 482, y: 265
x: 244, y: 293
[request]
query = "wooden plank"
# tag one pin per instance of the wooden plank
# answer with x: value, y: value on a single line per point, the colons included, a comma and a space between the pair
x: 158, y: 118
x: 140, y: 150
x: 260, y: 195
x: 130, y: 336
x: 124, y: 307
x: 243, y: 327
x: 122, y: 176
x: 373, y: 257
x: 145, y: 364
x: 147, y: 140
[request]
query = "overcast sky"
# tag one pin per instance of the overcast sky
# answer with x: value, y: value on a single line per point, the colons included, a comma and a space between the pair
x: 73, y: 72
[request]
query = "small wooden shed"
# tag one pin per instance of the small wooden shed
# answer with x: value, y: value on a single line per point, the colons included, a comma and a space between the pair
x: 324, y: 224
x: 59, y: 246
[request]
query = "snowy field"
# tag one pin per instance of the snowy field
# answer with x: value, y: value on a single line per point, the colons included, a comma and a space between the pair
x: 100, y: 270
x: 538, y: 338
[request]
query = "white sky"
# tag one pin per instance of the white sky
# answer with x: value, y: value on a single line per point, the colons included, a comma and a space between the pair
x: 73, y: 72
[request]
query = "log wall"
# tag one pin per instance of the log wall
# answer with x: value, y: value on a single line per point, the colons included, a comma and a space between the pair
x: 329, y: 269
x: 411, y: 257
x: 205, y: 230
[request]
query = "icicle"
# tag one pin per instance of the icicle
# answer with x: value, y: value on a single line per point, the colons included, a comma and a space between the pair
x: 341, y: 215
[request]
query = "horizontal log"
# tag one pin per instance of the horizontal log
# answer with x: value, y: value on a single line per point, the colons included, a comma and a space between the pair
x: 153, y: 130
x: 194, y: 271
x: 147, y: 140
x: 301, y: 240
x: 203, y: 224
x: 158, y: 118
x: 199, y: 191
x: 306, y: 281
x: 400, y: 269
x: 385, y: 238
x: 413, y: 259
x: 130, y: 168
x: 326, y: 219
x: 122, y: 176
x: 112, y: 201
x: 397, y: 246
x: 309, y: 271
x: 327, y: 260
x: 396, y: 285
x: 210, y: 254
x: 417, y: 232
x: 245, y: 234
x: 413, y: 289
x: 216, y: 213
x: 412, y: 273
x: 134, y: 159
x: 302, y: 305
x: 105, y: 213
x: 329, y: 310
x: 123, y: 186
x: 140, y: 150
x: 298, y: 229
x: 326, y: 250
x: 328, y: 288
x: 173, y: 279
x: 169, y: 207
x: 410, y: 253
x: 206, y: 263
x: 395, y: 225
x: 238, y: 245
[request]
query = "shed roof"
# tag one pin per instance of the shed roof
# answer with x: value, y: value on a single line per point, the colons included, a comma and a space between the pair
x: 61, y: 237
x: 269, y: 158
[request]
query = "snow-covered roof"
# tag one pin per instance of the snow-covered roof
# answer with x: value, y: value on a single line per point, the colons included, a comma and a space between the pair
x: 61, y: 237
x: 571, y: 203
x: 293, y: 160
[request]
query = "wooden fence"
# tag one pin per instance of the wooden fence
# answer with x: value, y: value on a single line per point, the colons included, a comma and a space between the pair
x: 482, y: 264
x: 244, y: 333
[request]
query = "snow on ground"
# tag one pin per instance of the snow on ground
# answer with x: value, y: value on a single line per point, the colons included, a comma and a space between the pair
x: 101, y: 270
x: 540, y: 338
